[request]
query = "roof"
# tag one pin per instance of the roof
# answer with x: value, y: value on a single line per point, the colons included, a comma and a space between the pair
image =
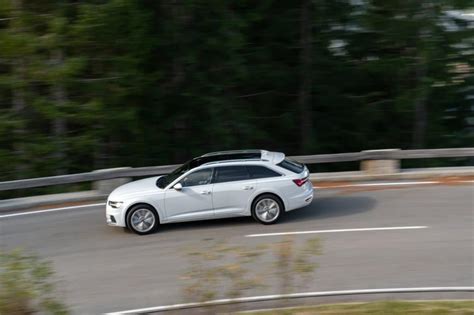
x: 238, y: 155
x: 233, y: 156
x: 231, y: 161
x: 256, y: 153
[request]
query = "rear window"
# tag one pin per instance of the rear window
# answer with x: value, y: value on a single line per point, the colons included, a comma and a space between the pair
x: 291, y: 165
x: 261, y: 172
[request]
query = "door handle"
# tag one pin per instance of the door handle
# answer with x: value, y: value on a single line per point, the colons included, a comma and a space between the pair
x: 248, y: 187
x: 205, y: 192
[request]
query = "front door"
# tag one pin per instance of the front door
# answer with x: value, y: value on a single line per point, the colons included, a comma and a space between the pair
x: 193, y: 201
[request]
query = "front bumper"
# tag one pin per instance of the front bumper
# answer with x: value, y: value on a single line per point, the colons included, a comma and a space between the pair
x: 111, y: 219
x: 114, y: 216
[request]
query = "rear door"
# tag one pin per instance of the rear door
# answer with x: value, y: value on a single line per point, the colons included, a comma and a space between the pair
x: 232, y: 191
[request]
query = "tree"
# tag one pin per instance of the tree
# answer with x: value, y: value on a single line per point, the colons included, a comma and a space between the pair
x: 96, y: 84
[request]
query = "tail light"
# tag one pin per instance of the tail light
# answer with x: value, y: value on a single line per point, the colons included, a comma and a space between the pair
x: 300, y: 182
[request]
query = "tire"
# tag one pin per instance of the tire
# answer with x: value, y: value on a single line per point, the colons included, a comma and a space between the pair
x: 142, y: 219
x: 262, y: 209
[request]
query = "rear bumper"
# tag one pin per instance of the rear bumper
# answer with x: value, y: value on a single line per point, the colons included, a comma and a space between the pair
x: 303, y: 199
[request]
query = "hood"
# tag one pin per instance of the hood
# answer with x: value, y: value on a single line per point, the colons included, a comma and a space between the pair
x: 138, y: 187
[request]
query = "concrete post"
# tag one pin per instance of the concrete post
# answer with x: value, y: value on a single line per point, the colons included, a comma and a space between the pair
x: 380, y: 167
x: 106, y: 186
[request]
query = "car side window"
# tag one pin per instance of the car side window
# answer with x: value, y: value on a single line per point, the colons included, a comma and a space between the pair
x: 201, y: 177
x: 231, y: 174
x: 256, y: 171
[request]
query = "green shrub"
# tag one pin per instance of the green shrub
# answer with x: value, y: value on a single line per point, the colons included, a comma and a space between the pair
x: 26, y: 286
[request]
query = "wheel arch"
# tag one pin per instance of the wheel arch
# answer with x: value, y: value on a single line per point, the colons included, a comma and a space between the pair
x: 268, y: 193
x: 134, y: 204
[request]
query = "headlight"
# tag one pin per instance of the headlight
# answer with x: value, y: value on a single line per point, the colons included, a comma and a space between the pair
x: 115, y: 204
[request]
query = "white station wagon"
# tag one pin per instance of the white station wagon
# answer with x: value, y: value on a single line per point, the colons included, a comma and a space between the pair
x: 255, y: 183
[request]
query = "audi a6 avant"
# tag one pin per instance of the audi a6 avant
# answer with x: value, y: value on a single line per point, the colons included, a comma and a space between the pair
x: 255, y: 183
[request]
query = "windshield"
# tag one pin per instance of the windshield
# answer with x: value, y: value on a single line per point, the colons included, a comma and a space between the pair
x: 164, y: 181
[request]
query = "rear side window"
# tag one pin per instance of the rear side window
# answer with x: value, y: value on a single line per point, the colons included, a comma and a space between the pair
x: 291, y: 165
x: 230, y: 174
x: 261, y: 172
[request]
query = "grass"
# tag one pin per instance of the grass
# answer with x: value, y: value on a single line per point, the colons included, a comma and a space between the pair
x: 382, y: 308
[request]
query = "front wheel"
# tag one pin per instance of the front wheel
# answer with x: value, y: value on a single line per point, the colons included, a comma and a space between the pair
x: 143, y: 219
x: 267, y: 209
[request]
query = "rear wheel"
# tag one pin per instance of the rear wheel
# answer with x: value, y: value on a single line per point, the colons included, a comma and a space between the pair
x: 267, y: 209
x: 143, y: 219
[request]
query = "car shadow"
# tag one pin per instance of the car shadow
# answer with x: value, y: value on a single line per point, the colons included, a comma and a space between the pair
x: 320, y: 208
x: 330, y: 207
x: 206, y: 224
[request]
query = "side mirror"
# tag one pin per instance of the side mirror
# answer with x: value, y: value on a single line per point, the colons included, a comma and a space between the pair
x: 178, y: 187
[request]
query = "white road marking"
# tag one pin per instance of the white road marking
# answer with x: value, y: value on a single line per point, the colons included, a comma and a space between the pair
x: 378, y: 184
x: 430, y: 182
x: 340, y: 230
x: 51, y: 210
x: 289, y: 296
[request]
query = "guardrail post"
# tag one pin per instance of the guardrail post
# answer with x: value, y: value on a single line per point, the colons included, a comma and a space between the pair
x: 380, y: 167
x: 107, y: 185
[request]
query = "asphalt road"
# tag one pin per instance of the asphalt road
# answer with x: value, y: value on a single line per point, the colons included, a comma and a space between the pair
x: 104, y: 269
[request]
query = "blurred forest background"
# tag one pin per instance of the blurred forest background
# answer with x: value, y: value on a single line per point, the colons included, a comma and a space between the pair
x: 94, y: 84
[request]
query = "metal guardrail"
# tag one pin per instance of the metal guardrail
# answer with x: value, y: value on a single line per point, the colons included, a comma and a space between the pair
x: 389, y: 154
x: 253, y: 299
x: 87, y: 177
